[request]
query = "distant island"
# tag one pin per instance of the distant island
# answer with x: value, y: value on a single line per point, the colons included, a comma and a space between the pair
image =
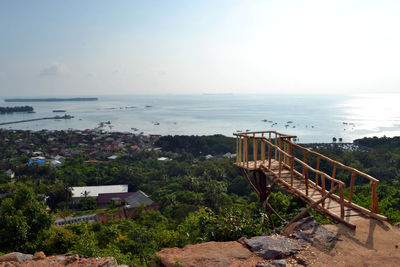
x: 4, y: 110
x: 50, y: 99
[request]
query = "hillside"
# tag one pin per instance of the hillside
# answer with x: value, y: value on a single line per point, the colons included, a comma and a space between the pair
x: 202, y: 197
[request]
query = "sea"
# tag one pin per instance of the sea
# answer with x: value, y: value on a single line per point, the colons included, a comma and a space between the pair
x: 312, y: 118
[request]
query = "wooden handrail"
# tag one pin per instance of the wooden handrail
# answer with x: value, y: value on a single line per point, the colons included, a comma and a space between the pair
x: 277, y: 148
x: 319, y: 172
x: 337, y: 163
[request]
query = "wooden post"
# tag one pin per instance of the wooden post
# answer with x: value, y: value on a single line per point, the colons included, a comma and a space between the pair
x: 323, y: 188
x: 269, y: 148
x: 374, y: 198
x: 244, y: 151
x: 291, y: 170
x: 333, y: 174
x: 276, y: 144
x: 306, y: 180
x: 353, y: 174
x: 263, y: 150
x: 280, y: 163
x: 280, y: 143
x: 269, y: 155
x: 237, y: 149
x: 247, y: 151
x: 284, y: 149
x: 316, y: 174
x: 305, y: 161
x: 341, y: 201
x: 241, y: 151
x: 255, y: 144
x: 262, y: 186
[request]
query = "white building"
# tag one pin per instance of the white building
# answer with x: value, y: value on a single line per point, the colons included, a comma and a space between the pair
x: 94, y: 191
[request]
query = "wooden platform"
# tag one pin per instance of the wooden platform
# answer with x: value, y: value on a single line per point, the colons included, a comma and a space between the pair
x: 272, y: 155
x: 331, y: 207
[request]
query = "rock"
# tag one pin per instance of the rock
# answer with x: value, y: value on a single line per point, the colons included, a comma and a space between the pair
x: 312, y: 231
x: 208, y: 254
x: 15, y: 257
x: 277, y: 263
x: 306, y: 223
x: 274, y: 263
x: 39, y: 256
x: 273, y: 247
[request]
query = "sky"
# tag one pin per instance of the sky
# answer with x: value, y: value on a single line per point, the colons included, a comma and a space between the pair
x: 57, y: 48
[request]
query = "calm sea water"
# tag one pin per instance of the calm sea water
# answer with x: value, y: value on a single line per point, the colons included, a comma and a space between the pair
x: 316, y: 118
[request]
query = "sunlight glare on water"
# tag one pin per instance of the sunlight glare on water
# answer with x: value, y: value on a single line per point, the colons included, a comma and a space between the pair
x: 373, y: 112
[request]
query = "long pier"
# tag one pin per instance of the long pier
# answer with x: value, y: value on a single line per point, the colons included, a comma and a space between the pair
x: 65, y: 117
x: 269, y: 154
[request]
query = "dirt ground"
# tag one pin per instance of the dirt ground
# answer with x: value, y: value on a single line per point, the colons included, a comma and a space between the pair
x: 373, y: 243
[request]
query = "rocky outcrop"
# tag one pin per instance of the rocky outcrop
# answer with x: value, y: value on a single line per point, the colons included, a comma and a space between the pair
x: 269, y: 250
x: 209, y: 254
x: 272, y: 247
x: 39, y: 259
x: 15, y: 257
x: 311, y: 231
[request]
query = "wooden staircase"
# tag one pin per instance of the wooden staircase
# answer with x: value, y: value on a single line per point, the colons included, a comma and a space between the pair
x: 272, y: 157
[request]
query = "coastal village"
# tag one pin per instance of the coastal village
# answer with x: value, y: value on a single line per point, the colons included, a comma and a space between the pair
x: 52, y: 148
x: 50, y: 145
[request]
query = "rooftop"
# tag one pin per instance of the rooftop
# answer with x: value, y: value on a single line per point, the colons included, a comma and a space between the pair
x: 94, y: 191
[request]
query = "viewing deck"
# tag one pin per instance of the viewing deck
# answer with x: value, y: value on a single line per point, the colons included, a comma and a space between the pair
x: 272, y: 155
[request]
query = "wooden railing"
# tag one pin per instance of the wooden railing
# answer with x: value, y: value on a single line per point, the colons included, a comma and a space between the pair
x: 281, y: 148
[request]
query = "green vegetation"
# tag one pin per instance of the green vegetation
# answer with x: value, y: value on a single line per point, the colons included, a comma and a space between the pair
x: 4, y: 110
x: 200, y: 200
x: 23, y: 220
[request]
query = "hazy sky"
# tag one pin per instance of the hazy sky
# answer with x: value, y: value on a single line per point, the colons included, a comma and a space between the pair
x: 139, y: 47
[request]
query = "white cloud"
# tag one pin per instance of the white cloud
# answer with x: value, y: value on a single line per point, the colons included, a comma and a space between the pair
x: 54, y: 69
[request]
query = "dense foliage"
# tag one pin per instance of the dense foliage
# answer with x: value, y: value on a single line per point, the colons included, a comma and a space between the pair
x: 197, y: 145
x: 200, y: 200
x: 23, y: 220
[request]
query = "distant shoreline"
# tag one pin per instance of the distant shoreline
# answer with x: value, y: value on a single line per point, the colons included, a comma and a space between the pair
x: 50, y: 99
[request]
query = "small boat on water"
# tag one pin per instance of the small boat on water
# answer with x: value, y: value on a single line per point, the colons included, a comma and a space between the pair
x: 59, y: 110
